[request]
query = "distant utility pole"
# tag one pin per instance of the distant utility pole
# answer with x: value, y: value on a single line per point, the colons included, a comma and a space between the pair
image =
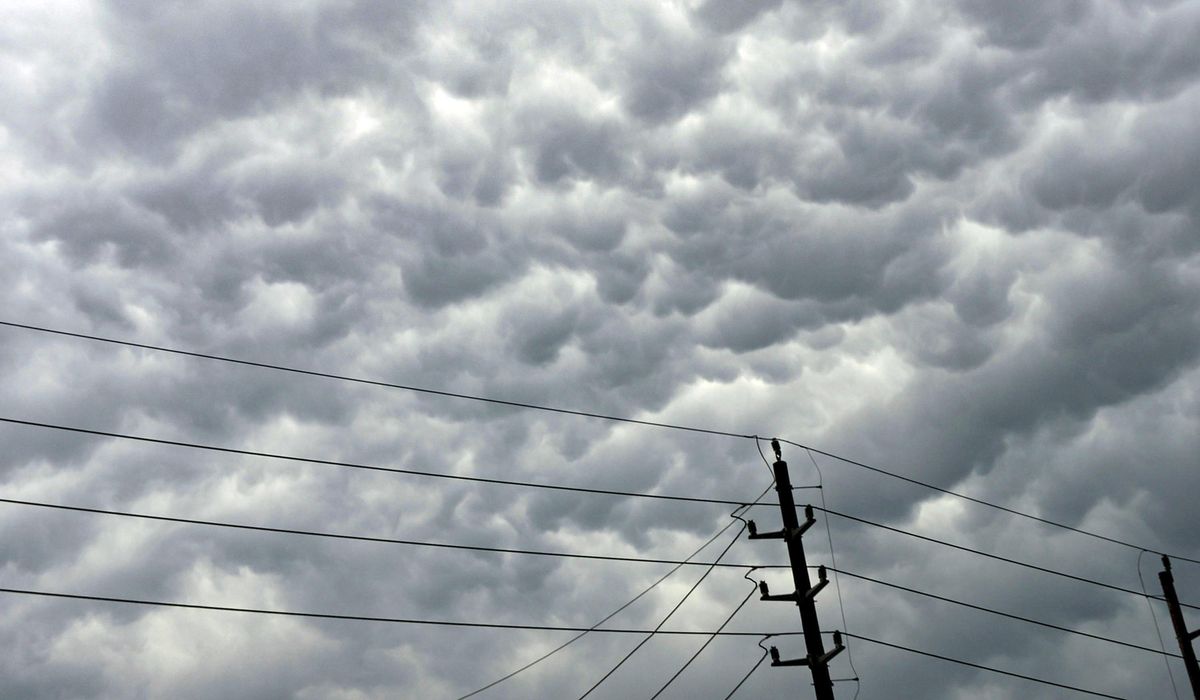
x: 1181, y: 631
x: 805, y: 595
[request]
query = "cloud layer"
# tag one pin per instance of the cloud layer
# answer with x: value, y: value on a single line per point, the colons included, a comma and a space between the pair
x: 957, y: 240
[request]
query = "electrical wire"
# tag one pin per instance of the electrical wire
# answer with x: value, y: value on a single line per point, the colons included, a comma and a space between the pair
x: 662, y: 622
x: 752, y: 668
x: 981, y: 667
x: 642, y: 560
x: 372, y: 382
x: 604, y: 619
x: 584, y: 414
x: 368, y: 618
x: 514, y: 626
x: 705, y: 645
x: 980, y: 501
x: 368, y: 467
x: 1001, y: 613
x: 380, y: 540
x: 682, y: 600
x: 989, y: 555
x: 837, y: 582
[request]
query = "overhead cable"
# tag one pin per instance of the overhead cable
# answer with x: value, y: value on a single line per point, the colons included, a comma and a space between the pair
x: 981, y: 667
x: 368, y: 467
x: 372, y: 382
x: 1001, y: 613
x: 602, y: 620
x: 379, y: 540
x: 693, y: 657
x: 584, y: 414
x: 989, y: 555
x: 369, y: 618
x: 682, y: 600
x: 980, y: 501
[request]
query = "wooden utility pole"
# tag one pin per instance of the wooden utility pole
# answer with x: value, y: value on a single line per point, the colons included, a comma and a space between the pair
x: 1181, y: 631
x: 805, y: 595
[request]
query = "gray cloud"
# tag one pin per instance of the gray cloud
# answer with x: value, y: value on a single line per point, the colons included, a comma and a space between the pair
x: 957, y: 241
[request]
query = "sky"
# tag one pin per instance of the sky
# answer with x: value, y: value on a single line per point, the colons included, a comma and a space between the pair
x: 959, y: 241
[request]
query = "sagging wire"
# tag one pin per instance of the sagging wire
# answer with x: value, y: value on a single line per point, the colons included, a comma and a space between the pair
x: 753, y: 589
x: 733, y: 514
x: 753, y: 668
x: 837, y: 584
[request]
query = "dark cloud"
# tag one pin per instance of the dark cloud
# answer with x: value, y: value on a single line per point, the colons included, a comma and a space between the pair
x: 957, y: 241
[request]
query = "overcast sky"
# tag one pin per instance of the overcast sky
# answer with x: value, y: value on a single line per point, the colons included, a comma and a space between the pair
x: 957, y: 240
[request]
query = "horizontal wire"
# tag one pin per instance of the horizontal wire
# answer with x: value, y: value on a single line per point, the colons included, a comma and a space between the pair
x: 980, y: 501
x: 369, y: 618
x: 571, y: 555
x: 584, y: 414
x: 981, y: 667
x: 1001, y: 613
x: 374, y: 382
x: 369, y: 467
x: 511, y: 626
x: 989, y: 555
x: 379, y: 540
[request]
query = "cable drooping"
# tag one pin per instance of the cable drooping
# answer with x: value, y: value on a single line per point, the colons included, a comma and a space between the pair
x: 606, y: 618
x: 837, y: 581
x: 704, y: 646
x: 696, y: 585
x: 752, y: 668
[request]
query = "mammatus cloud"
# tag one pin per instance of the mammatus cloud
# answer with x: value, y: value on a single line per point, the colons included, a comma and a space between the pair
x: 954, y: 240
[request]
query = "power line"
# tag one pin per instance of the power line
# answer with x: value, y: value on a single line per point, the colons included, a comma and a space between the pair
x: 753, y: 590
x: 604, y: 619
x: 378, y: 540
x: 373, y: 382
x: 751, y: 671
x: 981, y: 667
x: 368, y: 618
x: 980, y: 501
x: 989, y: 555
x: 645, y: 560
x: 1001, y: 613
x: 369, y: 467
x: 682, y: 600
x: 837, y: 580
x: 584, y: 414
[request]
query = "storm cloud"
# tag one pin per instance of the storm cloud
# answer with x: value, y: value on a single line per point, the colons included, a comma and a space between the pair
x: 957, y: 240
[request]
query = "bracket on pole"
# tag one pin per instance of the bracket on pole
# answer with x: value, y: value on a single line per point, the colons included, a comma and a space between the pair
x: 796, y: 532
x: 822, y: 581
x: 822, y: 660
x: 766, y: 593
x: 756, y: 535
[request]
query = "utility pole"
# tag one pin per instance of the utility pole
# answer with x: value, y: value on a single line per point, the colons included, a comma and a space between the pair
x: 1181, y: 631
x: 805, y: 595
